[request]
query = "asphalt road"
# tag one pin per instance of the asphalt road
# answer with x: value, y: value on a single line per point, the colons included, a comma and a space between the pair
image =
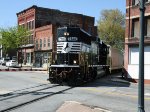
x: 32, y: 92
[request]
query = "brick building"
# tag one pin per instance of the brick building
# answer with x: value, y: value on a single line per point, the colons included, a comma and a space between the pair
x: 131, y: 59
x: 43, y: 22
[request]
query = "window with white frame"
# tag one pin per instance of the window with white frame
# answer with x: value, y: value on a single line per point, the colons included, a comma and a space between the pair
x: 48, y: 42
x: 44, y: 42
x: 40, y: 43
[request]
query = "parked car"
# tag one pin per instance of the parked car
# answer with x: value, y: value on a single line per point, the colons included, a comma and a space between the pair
x: 4, y: 60
x: 12, y: 63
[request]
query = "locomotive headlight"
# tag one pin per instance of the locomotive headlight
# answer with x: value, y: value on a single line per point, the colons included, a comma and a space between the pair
x: 74, y: 61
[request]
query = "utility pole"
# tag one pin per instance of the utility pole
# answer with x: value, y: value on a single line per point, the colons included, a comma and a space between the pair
x: 141, y: 60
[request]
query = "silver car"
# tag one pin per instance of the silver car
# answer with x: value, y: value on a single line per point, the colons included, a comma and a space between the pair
x: 12, y: 63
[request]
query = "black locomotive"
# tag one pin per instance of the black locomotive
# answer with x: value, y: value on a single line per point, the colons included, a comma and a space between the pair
x: 79, y: 57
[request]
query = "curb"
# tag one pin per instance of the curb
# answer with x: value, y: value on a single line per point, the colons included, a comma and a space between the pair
x: 22, y: 69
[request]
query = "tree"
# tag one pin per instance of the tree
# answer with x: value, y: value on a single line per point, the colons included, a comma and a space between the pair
x: 13, y: 38
x: 111, y: 28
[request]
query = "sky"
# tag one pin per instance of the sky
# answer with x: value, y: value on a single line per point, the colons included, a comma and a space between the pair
x: 9, y: 8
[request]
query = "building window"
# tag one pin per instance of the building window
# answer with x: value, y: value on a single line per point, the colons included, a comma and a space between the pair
x: 28, y: 25
x: 28, y: 57
x: 44, y: 42
x: 32, y: 24
x: 147, y: 27
x: 135, y: 28
x: 147, y: 0
x: 135, y: 2
x: 31, y: 39
x: 36, y: 44
x: 90, y: 30
x: 45, y: 55
x: 134, y: 55
x: 40, y: 43
x: 48, y: 42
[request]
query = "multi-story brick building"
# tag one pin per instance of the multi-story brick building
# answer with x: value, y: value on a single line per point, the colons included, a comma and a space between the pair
x: 43, y: 22
x: 131, y: 59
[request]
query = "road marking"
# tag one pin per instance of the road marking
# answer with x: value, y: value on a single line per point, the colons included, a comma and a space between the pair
x: 114, y: 93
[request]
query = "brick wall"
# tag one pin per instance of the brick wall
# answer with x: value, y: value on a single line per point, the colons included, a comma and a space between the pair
x: 45, y: 16
x: 42, y: 33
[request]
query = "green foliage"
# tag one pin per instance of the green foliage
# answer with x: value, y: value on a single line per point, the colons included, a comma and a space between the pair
x: 13, y: 37
x: 111, y: 28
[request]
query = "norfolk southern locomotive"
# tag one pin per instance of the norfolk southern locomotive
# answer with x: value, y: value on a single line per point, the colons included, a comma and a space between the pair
x: 79, y: 57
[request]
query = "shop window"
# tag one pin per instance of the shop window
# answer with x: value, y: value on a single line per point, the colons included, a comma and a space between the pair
x: 28, y: 57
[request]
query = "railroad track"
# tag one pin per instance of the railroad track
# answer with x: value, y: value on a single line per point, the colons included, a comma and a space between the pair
x: 17, y: 101
x: 25, y: 92
x: 19, y: 90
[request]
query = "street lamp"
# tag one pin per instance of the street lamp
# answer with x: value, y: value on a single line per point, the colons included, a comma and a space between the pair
x: 141, y: 60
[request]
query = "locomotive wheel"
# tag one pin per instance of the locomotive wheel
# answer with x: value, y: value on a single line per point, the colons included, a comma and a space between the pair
x: 75, y: 79
x: 52, y: 80
x: 59, y: 80
x: 71, y: 80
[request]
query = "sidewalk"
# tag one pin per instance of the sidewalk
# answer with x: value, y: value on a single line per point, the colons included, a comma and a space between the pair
x: 72, y: 106
x: 23, y: 68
